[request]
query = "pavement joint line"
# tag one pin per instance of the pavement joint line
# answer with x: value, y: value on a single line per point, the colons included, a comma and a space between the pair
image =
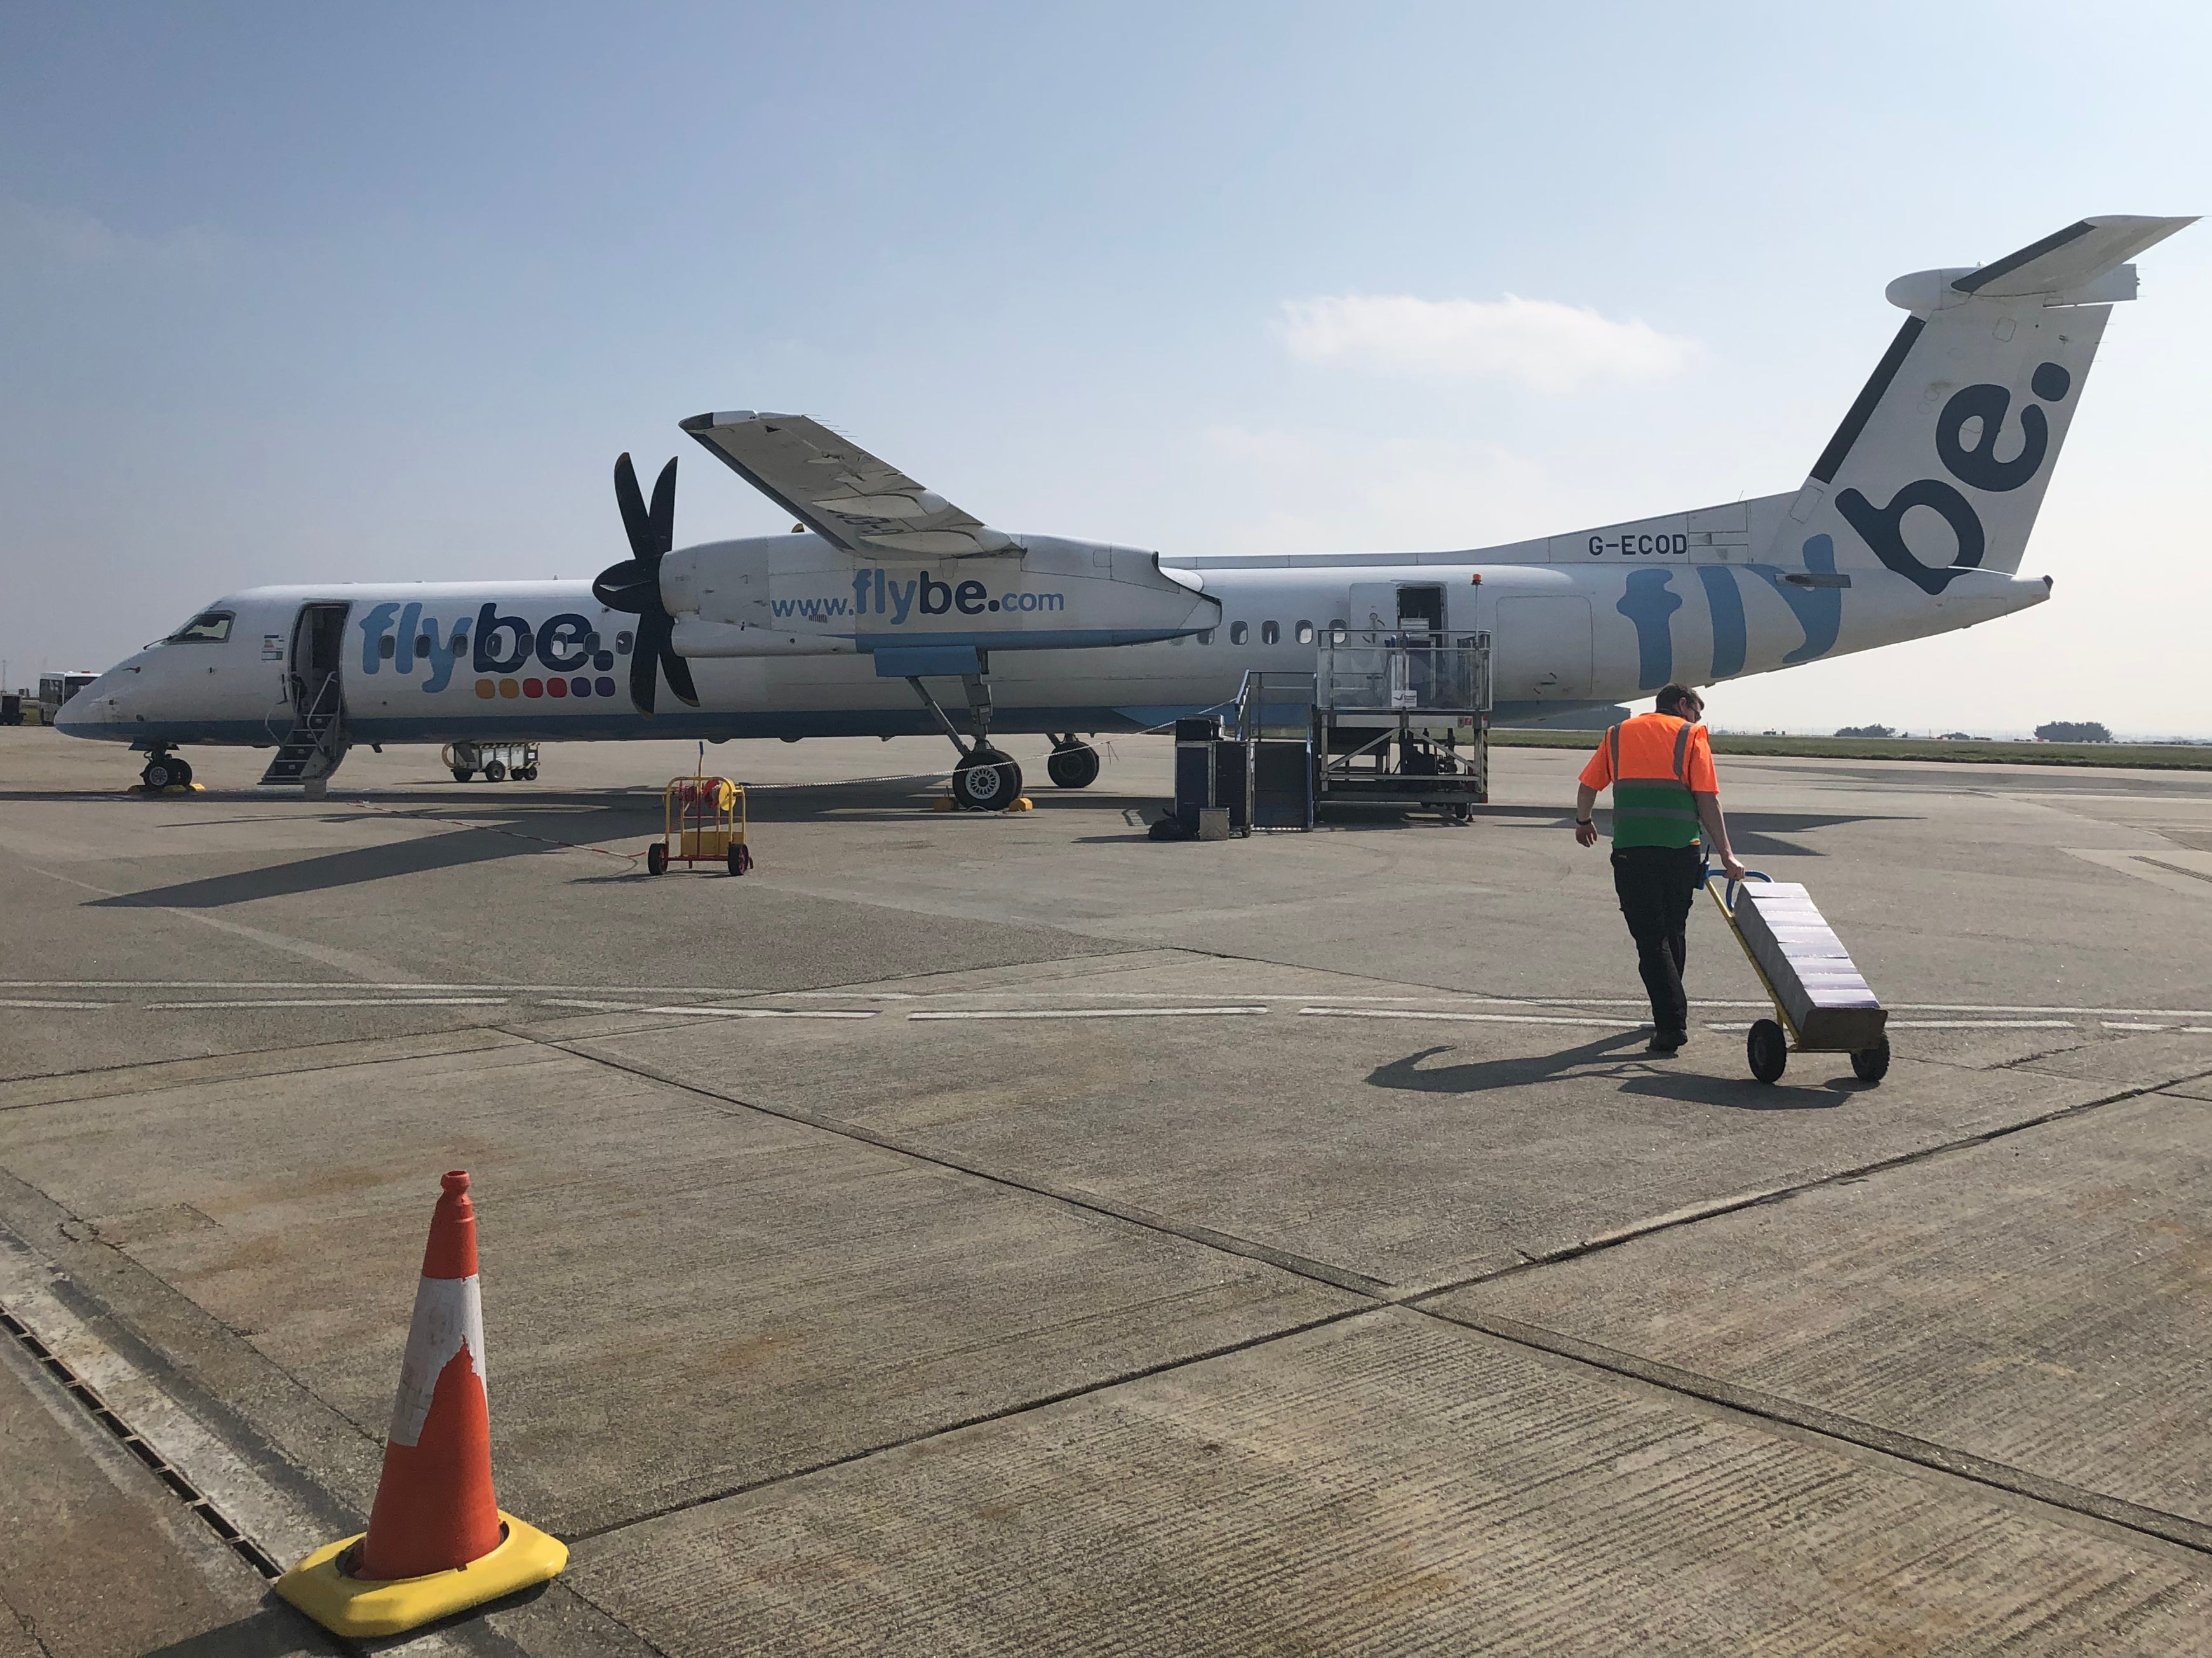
x: 1091, y: 1203
x: 2190, y: 1534
x: 286, y: 1048
x: 1692, y: 1214
x: 1005, y: 1413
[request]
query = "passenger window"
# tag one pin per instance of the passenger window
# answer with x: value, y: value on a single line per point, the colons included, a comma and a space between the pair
x: 211, y: 627
x: 623, y: 642
x: 387, y: 647
x: 1206, y: 636
x: 1237, y: 633
x: 1336, y: 633
x: 1305, y: 633
x: 424, y: 645
x: 1270, y: 633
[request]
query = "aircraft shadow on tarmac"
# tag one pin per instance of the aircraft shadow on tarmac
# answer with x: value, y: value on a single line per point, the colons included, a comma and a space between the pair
x: 1618, y: 1056
x: 346, y: 869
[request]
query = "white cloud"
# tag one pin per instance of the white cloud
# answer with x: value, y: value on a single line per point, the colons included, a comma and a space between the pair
x: 1547, y: 346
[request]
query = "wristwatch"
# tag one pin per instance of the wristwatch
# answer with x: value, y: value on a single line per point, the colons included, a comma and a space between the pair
x: 1584, y: 823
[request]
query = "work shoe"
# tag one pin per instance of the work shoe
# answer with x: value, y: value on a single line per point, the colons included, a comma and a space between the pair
x: 1666, y: 1043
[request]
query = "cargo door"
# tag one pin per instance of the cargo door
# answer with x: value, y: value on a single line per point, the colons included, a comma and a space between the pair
x: 1542, y: 649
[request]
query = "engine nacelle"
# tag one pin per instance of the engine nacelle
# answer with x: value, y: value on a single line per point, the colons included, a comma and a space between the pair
x: 799, y: 596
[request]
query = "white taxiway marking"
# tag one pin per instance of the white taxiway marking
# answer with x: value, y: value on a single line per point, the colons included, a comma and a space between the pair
x: 55, y: 1004
x: 1474, y: 1018
x: 1087, y: 1013
x: 1945, y: 1025
x: 2114, y: 1025
x: 770, y: 1013
x: 342, y: 1002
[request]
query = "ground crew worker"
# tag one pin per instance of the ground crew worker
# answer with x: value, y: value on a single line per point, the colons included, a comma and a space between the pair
x: 1664, y: 790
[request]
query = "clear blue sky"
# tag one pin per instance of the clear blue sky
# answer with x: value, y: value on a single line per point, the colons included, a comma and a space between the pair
x: 294, y: 292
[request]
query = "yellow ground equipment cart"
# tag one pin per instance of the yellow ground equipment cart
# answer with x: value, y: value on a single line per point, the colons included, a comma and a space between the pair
x: 702, y: 821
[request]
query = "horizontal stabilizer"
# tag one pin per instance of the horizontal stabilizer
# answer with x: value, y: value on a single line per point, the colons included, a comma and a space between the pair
x: 2070, y: 259
x: 840, y: 491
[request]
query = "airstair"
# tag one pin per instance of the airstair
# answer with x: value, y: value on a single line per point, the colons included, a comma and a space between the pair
x: 316, y: 742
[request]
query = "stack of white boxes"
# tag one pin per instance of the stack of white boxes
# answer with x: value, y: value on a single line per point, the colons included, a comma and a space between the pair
x: 1823, y: 992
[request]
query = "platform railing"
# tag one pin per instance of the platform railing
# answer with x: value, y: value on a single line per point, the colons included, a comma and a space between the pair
x: 1364, y: 673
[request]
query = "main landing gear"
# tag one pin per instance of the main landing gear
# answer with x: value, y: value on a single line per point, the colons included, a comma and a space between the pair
x: 985, y: 779
x: 163, y: 769
x: 1073, y: 764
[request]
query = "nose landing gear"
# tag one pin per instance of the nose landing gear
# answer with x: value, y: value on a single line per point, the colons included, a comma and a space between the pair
x: 163, y: 769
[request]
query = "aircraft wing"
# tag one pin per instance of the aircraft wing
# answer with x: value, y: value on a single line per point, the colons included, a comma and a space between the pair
x: 840, y: 491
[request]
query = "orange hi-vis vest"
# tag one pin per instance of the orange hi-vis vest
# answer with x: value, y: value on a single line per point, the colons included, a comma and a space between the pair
x: 1656, y: 764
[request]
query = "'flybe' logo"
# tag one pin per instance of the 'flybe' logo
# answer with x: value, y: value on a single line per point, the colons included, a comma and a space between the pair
x: 580, y: 663
x: 875, y: 593
x: 1983, y: 407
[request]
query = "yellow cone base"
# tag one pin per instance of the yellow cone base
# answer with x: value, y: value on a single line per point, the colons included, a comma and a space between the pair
x: 946, y: 803
x: 357, y: 1605
x: 170, y: 789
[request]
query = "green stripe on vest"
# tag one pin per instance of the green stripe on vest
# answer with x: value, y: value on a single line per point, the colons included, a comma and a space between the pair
x: 1654, y: 813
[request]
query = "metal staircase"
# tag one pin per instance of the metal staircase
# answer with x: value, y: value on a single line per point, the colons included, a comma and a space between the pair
x: 316, y: 742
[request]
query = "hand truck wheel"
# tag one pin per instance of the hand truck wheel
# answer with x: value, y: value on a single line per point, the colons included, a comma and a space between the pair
x: 1768, y: 1049
x: 656, y: 858
x: 1872, y: 1065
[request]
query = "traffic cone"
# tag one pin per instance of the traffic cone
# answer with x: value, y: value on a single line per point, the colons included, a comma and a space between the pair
x: 437, y: 1541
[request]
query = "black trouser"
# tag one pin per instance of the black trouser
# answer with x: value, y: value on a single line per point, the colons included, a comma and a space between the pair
x: 1656, y: 885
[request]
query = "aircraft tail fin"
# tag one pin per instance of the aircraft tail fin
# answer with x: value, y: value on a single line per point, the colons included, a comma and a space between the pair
x: 1940, y: 464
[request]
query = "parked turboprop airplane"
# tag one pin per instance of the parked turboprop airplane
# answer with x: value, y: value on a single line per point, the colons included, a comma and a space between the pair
x: 1913, y: 521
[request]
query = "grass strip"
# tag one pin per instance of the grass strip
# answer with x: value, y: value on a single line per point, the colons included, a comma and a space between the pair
x: 2167, y: 756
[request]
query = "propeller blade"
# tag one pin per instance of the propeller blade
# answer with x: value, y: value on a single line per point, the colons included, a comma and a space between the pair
x: 632, y: 586
x: 662, y: 518
x: 645, y: 660
x: 679, y: 675
x: 636, y: 524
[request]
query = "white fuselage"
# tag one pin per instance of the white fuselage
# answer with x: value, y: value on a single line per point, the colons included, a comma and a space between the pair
x: 1592, y: 618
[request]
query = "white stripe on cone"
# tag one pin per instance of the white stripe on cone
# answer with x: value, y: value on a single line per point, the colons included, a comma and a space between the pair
x: 448, y: 1317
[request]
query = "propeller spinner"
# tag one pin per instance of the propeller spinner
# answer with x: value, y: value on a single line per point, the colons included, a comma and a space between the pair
x: 634, y: 586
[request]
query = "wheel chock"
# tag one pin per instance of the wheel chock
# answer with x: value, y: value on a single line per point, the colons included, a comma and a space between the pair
x: 359, y: 1606
x: 942, y: 804
x: 168, y: 789
x: 1023, y: 804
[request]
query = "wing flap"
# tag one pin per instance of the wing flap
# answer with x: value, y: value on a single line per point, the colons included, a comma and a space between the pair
x: 840, y: 491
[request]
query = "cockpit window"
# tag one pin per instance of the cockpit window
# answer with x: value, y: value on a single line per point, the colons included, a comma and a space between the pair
x: 210, y: 627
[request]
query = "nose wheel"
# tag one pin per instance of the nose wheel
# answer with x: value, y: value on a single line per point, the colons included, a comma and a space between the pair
x: 163, y: 769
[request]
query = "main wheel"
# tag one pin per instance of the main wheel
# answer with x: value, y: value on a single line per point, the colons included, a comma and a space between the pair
x: 1768, y: 1050
x: 1872, y: 1065
x: 463, y: 773
x: 495, y: 771
x: 986, y: 781
x: 656, y: 858
x: 184, y: 774
x: 1074, y: 766
x: 160, y: 772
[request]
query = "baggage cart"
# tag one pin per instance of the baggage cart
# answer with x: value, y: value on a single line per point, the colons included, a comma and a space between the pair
x: 1821, y: 1003
x: 703, y: 820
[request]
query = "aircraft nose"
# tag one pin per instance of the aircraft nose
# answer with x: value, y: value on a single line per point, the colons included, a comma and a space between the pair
x: 98, y: 703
